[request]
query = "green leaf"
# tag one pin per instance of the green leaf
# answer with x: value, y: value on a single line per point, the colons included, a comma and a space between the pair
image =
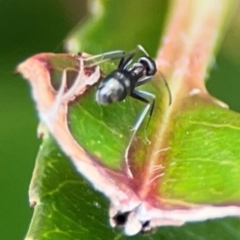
x: 191, y: 158
x: 204, y: 156
x: 70, y: 209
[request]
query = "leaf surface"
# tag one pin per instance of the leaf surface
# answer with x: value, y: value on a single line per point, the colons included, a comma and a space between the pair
x: 187, y: 157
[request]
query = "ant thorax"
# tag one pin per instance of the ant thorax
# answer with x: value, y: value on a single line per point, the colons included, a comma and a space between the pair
x: 138, y: 71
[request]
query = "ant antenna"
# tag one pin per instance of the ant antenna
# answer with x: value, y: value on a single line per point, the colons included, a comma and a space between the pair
x: 167, y: 86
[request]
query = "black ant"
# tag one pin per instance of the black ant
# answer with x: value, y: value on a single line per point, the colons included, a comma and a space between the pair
x: 123, y: 81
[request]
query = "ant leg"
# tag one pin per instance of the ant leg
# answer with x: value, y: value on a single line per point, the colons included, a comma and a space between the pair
x: 104, y: 57
x: 142, y: 49
x: 146, y: 79
x: 125, y: 62
x: 142, y: 96
x: 121, y: 62
x: 112, y: 55
x: 143, y: 80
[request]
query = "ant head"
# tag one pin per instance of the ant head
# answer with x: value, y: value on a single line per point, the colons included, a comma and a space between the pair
x: 110, y: 90
x: 149, y: 65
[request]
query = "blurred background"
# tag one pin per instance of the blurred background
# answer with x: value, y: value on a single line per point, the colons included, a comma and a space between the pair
x: 28, y: 27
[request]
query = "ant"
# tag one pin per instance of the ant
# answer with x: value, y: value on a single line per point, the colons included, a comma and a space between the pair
x: 123, y: 81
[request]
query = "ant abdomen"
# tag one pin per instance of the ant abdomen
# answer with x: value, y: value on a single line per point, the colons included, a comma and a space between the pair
x: 111, y: 90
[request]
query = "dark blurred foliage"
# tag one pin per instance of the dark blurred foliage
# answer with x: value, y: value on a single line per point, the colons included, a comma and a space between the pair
x: 28, y: 27
x: 224, y: 80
